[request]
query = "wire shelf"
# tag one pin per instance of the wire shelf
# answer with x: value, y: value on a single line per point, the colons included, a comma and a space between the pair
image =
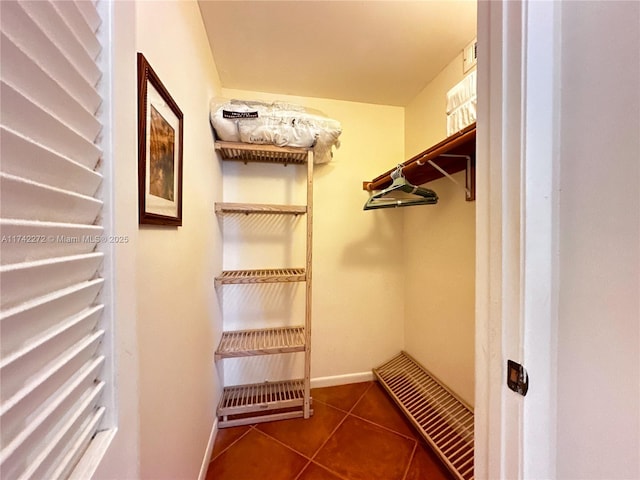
x: 268, y: 341
x: 247, y: 208
x: 273, y: 275
x: 444, y: 420
x: 249, y: 152
x: 261, y: 402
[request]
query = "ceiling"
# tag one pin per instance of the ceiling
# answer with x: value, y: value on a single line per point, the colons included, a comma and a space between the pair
x: 381, y: 52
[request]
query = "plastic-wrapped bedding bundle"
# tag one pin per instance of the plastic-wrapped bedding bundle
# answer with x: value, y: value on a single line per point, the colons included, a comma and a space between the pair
x: 277, y: 123
x: 461, y: 104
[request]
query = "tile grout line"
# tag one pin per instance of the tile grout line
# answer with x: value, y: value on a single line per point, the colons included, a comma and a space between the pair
x: 415, y: 442
x: 311, y: 458
x: 306, y: 457
x: 339, y: 425
x: 319, y: 465
x: 413, y: 453
x: 350, y: 413
x: 346, y: 414
x: 303, y: 469
x: 230, y: 445
x: 384, y: 427
x: 288, y: 448
x: 360, y: 397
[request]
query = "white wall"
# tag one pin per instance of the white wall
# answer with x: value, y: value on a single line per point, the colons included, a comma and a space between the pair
x: 179, y: 321
x: 439, y: 254
x: 357, y: 256
x: 599, y: 333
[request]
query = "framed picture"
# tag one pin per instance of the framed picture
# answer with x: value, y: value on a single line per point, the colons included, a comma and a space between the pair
x: 159, y: 151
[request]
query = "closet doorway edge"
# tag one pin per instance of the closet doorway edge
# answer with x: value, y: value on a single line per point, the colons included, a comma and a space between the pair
x: 516, y: 232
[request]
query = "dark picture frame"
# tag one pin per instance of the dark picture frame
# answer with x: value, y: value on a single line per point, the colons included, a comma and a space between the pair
x: 160, y: 137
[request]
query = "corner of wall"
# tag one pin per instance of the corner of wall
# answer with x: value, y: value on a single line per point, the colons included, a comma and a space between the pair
x: 439, y: 245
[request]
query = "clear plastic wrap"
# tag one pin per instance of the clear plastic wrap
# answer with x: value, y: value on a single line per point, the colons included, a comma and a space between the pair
x: 276, y: 123
x: 461, y: 104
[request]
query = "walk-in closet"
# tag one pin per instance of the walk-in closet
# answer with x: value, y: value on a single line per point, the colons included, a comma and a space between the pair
x: 319, y: 240
x: 348, y: 227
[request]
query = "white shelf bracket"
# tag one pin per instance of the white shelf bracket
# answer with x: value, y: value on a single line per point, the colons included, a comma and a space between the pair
x: 466, y: 188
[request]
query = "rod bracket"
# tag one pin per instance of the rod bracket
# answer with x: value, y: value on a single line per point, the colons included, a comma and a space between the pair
x: 470, y: 174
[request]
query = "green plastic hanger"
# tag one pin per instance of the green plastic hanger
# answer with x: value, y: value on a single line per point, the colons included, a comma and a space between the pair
x: 401, y: 193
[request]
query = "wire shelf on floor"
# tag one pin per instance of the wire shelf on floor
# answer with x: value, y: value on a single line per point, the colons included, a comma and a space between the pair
x: 268, y: 341
x: 444, y: 420
x: 273, y: 275
x: 250, y: 152
x: 247, y: 208
x: 268, y: 401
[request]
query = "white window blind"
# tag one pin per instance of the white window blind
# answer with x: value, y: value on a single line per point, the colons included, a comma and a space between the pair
x: 51, y: 258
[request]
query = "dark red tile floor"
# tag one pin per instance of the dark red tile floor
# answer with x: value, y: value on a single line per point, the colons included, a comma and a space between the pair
x: 356, y: 433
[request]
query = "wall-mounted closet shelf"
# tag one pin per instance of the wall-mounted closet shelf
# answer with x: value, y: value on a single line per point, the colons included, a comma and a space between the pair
x: 268, y: 341
x: 444, y: 420
x: 255, y: 208
x: 272, y: 275
x: 265, y: 398
x: 268, y: 401
x: 248, y: 152
x: 454, y: 154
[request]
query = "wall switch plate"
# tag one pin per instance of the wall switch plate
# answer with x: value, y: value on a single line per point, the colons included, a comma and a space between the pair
x: 517, y: 378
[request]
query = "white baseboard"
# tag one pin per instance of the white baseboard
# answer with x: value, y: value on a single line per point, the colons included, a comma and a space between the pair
x: 334, y: 380
x: 207, y: 455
